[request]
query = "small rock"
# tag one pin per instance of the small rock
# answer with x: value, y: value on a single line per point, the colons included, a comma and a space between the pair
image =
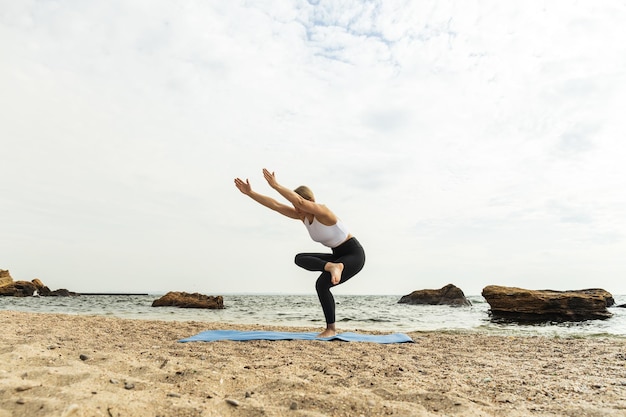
x: 129, y: 385
x: 114, y: 381
x: 22, y: 389
x: 232, y: 402
x: 20, y: 401
x: 248, y: 394
x: 173, y: 395
x: 503, y: 398
x: 293, y: 406
x: 83, y: 357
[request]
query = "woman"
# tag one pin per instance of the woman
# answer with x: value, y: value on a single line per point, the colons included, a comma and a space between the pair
x: 347, y: 257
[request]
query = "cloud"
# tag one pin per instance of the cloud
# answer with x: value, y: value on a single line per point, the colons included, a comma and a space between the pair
x: 567, y: 212
x: 577, y: 140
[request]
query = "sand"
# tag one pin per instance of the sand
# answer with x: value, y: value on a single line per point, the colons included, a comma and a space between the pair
x: 68, y: 365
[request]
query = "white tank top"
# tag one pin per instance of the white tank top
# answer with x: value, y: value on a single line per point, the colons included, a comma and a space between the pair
x: 331, y: 236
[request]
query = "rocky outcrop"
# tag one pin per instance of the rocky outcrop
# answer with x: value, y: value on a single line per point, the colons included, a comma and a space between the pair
x: 448, y: 295
x: 5, y: 278
x: 18, y: 289
x: 61, y: 292
x: 11, y: 288
x: 186, y: 300
x: 523, y: 305
x: 40, y: 286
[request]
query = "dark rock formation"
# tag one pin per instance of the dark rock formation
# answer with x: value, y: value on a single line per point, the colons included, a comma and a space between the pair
x: 186, y: 300
x: 61, y: 292
x: 41, y: 289
x: 11, y: 288
x: 523, y: 305
x: 448, y: 295
x: 608, y: 297
x: 18, y: 289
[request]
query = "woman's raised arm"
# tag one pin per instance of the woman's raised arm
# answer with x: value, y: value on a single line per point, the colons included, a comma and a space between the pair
x: 285, y: 210
x: 320, y: 211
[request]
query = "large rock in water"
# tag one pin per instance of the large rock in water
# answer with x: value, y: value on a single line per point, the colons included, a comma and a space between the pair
x: 18, y: 289
x: 448, y: 295
x: 11, y: 288
x: 186, y: 300
x: 524, y: 305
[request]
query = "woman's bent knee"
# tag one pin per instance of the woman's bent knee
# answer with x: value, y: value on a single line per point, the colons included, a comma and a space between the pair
x: 323, y: 283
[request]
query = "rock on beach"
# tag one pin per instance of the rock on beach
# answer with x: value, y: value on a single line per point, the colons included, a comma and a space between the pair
x: 187, y: 300
x: 519, y: 304
x: 12, y: 288
x: 448, y: 295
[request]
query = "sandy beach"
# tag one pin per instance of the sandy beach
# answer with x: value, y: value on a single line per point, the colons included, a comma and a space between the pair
x: 67, y: 365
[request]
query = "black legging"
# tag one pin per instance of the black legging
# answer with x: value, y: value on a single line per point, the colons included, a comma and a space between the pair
x: 350, y: 253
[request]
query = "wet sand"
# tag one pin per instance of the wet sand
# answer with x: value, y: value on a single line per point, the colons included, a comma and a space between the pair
x: 67, y: 365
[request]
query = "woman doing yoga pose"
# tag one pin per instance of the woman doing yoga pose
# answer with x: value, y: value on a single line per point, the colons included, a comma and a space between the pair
x: 347, y: 257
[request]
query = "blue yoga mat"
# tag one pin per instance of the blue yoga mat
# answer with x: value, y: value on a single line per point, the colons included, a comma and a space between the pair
x: 235, y: 335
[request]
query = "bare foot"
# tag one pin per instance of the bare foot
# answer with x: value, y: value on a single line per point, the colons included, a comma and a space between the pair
x: 327, y: 333
x: 331, y: 330
x: 335, y: 271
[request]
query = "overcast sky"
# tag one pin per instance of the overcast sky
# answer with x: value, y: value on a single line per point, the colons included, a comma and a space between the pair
x: 469, y: 142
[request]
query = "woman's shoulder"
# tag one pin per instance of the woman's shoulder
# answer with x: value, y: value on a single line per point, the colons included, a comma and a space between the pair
x: 328, y: 219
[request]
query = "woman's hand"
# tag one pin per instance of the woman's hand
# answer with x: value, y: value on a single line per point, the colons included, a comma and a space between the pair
x: 244, y: 187
x: 270, y: 178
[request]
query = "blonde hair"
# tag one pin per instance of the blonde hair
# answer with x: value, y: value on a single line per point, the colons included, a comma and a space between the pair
x: 305, y: 192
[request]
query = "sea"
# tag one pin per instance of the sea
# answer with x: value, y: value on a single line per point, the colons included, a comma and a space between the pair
x: 354, y: 313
